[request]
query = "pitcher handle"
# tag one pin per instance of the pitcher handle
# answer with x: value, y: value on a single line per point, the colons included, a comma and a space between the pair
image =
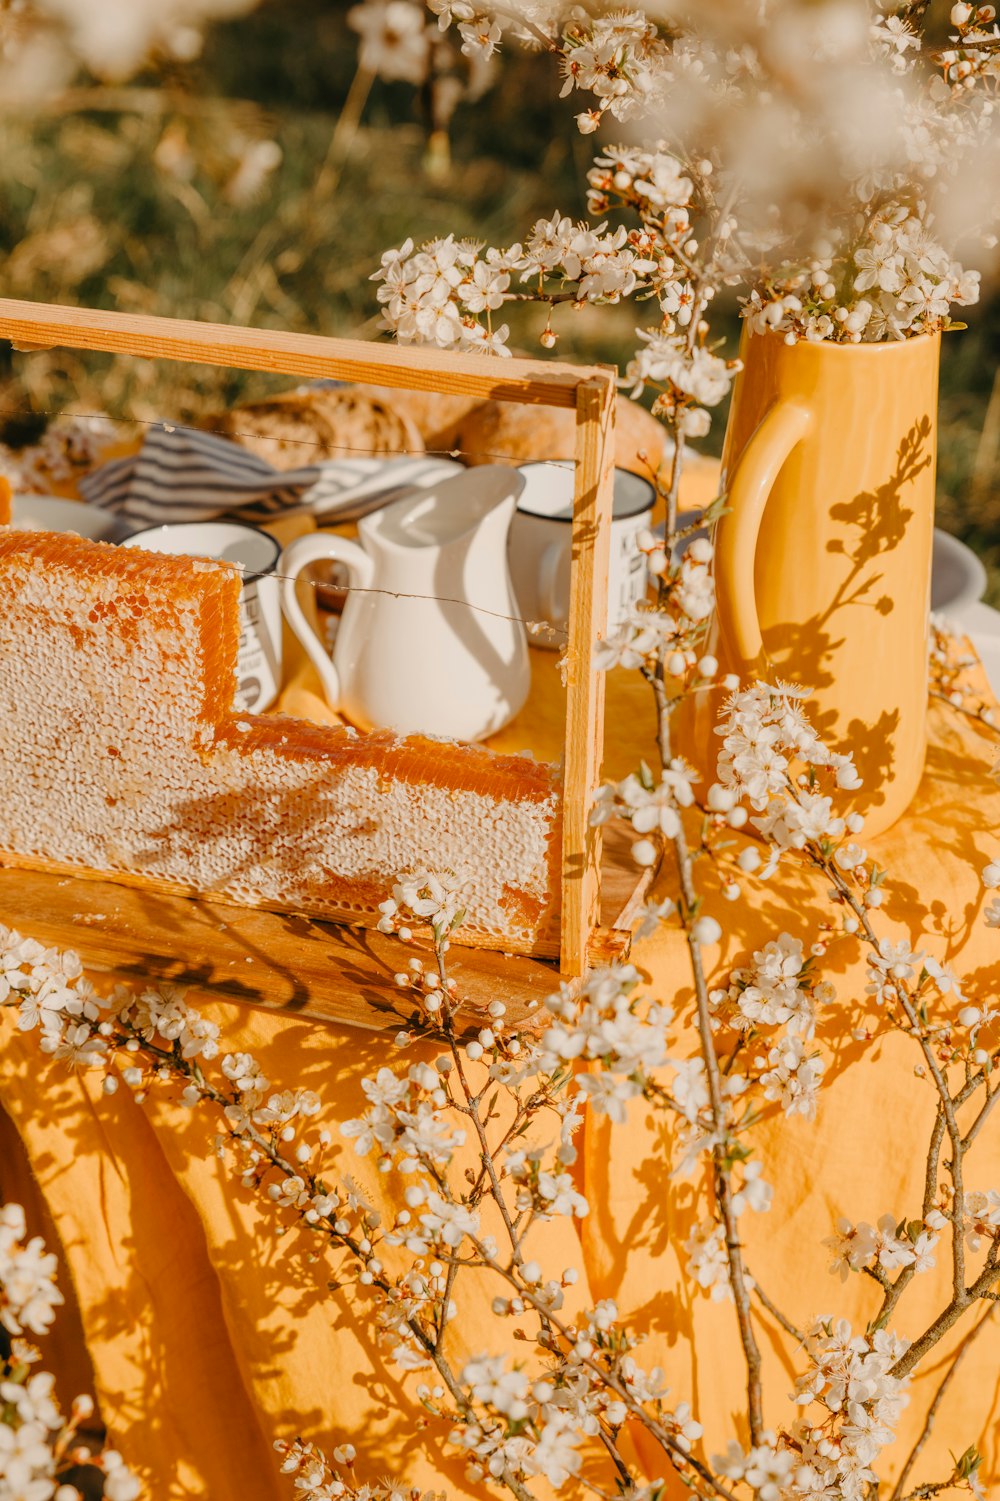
x: 756, y: 470
x: 314, y: 548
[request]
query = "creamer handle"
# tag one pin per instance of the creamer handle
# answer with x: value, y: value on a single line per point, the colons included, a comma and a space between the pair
x: 548, y: 572
x: 315, y: 547
x: 736, y: 536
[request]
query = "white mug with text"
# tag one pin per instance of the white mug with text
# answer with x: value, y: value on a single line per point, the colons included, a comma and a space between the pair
x: 256, y: 554
x: 540, y: 547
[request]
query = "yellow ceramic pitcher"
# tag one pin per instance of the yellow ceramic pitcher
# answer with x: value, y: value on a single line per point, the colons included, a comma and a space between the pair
x: 823, y: 562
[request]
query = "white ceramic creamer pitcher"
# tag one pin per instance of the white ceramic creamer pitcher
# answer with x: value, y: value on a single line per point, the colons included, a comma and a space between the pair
x: 429, y: 642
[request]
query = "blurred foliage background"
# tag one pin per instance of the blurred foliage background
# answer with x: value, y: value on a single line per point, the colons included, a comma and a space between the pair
x: 260, y: 184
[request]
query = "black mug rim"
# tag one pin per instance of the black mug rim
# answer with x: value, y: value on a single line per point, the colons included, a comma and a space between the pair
x: 616, y: 514
x: 247, y: 575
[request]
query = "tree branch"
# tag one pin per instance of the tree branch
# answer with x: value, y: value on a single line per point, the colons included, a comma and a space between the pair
x: 932, y: 1411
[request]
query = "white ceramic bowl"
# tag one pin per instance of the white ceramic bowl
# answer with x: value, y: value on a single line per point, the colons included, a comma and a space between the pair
x: 958, y: 578
x: 50, y: 513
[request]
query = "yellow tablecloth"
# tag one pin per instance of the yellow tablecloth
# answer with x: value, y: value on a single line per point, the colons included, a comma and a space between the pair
x: 210, y: 1336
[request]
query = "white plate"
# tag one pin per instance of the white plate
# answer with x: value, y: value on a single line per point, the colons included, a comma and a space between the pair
x: 958, y: 578
x: 50, y: 513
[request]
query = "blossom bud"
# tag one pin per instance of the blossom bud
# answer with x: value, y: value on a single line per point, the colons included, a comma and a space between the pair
x: 622, y: 180
x: 531, y: 1272
x: 701, y: 550
x: 980, y: 1056
x: 656, y: 562
x: 132, y: 1077
x: 737, y: 817
x: 675, y: 664
x: 708, y: 666
x: 991, y: 875
x: 748, y: 859
x: 873, y: 898
x: 415, y: 1195
x: 855, y: 822
x: 432, y: 1002
x: 731, y: 892
x: 404, y: 934
x: 548, y: 338
x: 588, y: 122
x: 731, y: 681
x: 474, y: 1051
x: 110, y: 1085
x: 969, y: 1016
x: 644, y: 852
x: 401, y: 980
x: 570, y: 1276
x: 721, y: 799
x: 960, y: 14
x: 706, y: 930
x: 486, y: 1037
x: 497, y: 1008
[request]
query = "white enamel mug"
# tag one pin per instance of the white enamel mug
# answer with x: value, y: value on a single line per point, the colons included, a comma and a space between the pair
x: 256, y: 554
x: 540, y: 547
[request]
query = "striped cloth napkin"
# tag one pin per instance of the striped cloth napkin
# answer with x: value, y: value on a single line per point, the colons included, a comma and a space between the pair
x: 181, y: 474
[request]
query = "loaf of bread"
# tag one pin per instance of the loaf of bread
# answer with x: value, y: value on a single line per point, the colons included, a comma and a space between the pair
x: 505, y: 430
x: 490, y: 432
x: 313, y: 424
x: 437, y: 417
x: 379, y: 419
x: 120, y: 752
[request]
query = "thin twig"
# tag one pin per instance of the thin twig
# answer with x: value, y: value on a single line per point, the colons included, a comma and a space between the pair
x: 932, y: 1411
x: 776, y: 1312
x: 723, y: 1186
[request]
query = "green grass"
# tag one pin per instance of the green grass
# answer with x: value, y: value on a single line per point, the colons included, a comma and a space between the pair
x: 90, y: 214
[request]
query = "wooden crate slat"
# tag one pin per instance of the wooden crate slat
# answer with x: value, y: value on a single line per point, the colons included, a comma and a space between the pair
x: 271, y: 960
x: 543, y: 947
x: 588, y: 612
x: 42, y: 326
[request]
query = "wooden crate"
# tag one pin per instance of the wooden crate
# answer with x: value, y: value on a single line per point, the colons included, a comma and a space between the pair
x: 101, y: 919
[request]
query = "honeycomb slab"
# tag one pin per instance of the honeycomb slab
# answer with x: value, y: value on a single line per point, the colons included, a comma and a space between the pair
x: 120, y: 753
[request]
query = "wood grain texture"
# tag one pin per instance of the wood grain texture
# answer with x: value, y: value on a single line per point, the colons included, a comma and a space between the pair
x: 543, y: 947
x: 588, y: 612
x: 273, y: 961
x: 36, y: 325
x: 270, y: 960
